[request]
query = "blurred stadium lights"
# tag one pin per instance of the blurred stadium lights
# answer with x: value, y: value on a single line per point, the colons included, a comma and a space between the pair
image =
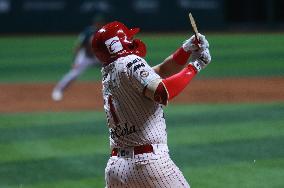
x: 146, y: 6
x: 93, y: 6
x: 201, y: 4
x: 25, y: 16
x: 5, y: 6
x: 44, y: 5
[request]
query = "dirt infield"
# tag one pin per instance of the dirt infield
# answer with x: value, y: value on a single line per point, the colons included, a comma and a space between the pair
x: 87, y: 95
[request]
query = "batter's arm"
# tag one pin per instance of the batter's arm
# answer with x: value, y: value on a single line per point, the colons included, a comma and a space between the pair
x: 178, y: 60
x: 163, y: 90
x: 176, y: 73
x: 168, y: 67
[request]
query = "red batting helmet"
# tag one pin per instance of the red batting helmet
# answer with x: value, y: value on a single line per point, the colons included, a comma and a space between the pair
x: 115, y: 40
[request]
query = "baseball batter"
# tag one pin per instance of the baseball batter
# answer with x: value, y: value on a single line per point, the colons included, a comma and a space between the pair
x: 84, y: 58
x: 134, y: 95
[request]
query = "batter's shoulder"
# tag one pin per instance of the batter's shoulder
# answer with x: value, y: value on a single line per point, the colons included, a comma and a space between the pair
x: 129, y: 65
x: 134, y: 62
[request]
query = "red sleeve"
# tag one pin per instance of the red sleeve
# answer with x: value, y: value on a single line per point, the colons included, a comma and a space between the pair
x: 180, y: 56
x: 174, y: 85
x: 161, y: 95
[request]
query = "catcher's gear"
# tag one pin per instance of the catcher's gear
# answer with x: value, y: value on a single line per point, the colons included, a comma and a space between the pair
x: 115, y: 40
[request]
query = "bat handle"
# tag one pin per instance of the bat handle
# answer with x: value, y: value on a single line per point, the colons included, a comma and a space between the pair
x: 196, y: 37
x: 196, y: 41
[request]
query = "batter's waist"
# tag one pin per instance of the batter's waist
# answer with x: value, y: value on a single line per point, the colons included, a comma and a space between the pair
x: 136, y: 150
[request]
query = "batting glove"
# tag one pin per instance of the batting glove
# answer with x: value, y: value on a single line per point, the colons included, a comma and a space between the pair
x: 200, y: 59
x: 191, y: 45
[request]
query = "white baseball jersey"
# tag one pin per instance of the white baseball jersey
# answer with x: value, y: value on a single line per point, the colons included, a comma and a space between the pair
x: 134, y: 120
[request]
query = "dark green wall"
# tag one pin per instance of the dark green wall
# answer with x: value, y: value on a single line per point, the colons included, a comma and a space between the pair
x: 70, y: 16
x: 24, y: 16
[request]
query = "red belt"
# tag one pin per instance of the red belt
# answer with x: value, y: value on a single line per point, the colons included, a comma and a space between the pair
x: 137, y: 150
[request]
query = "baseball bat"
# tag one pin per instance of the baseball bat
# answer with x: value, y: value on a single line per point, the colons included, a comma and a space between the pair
x: 194, y: 27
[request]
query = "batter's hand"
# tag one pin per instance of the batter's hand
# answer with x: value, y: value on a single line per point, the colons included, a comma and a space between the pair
x: 192, y: 45
x: 201, y: 59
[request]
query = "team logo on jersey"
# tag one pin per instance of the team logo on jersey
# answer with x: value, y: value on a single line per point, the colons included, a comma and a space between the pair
x: 122, y: 130
x: 133, y: 62
x: 138, y: 66
x: 144, y: 73
x: 113, y: 45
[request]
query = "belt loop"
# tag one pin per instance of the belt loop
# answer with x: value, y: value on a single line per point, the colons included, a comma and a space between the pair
x: 155, y: 148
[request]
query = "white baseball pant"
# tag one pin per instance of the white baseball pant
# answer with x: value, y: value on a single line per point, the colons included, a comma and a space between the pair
x: 148, y: 170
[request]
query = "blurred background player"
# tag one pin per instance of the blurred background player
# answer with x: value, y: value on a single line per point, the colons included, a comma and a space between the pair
x: 83, y: 58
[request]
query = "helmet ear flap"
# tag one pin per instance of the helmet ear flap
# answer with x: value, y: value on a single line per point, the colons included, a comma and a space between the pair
x: 132, y: 32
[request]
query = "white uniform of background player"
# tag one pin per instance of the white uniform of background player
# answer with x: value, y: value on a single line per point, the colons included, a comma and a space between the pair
x: 84, y: 58
x: 138, y: 137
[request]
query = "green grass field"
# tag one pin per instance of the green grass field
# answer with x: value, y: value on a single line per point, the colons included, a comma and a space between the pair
x: 216, y: 146
x: 70, y: 149
x: 47, y: 58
